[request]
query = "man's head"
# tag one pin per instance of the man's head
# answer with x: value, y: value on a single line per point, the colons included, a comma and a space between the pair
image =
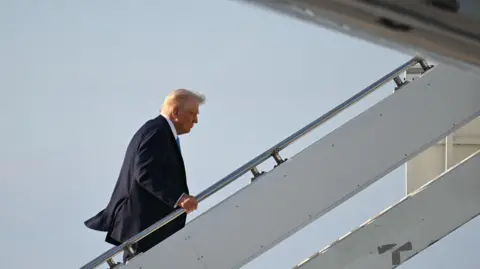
x: 182, y: 107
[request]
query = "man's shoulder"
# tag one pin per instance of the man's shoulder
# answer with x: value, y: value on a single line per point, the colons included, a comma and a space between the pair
x: 158, y: 124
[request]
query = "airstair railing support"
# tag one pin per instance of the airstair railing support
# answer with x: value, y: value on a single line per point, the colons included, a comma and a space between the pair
x: 252, y: 165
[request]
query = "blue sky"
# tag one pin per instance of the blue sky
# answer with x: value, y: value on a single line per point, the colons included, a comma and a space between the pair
x: 78, y: 78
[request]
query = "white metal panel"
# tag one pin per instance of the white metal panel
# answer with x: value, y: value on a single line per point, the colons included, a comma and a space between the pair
x: 424, y: 167
x: 447, y: 152
x: 322, y: 176
x: 415, y: 223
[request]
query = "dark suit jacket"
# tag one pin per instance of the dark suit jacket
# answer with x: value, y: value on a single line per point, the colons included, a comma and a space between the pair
x: 151, y: 180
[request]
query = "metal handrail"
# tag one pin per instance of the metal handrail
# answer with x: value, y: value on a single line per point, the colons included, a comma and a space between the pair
x: 251, y: 165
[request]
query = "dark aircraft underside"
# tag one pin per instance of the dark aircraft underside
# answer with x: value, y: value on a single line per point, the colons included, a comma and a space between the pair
x: 446, y: 31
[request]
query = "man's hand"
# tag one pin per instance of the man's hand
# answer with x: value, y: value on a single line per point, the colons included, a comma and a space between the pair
x: 188, y: 202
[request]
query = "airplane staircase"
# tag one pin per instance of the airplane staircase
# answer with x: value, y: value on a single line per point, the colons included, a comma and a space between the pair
x: 441, y: 196
x: 302, y: 188
x: 409, y: 227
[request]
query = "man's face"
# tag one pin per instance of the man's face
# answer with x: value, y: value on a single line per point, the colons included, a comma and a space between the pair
x: 186, y: 116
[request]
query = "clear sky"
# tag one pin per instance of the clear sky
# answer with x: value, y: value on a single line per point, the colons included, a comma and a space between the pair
x: 77, y: 78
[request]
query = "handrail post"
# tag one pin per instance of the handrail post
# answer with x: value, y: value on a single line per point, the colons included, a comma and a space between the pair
x: 424, y: 65
x: 277, y: 158
x: 398, y: 81
x: 255, y: 172
x: 128, y: 249
x: 111, y: 263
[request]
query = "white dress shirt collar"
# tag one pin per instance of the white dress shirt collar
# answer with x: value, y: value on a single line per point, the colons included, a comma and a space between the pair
x: 174, y: 131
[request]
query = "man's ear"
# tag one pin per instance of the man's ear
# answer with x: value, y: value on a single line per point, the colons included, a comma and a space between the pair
x: 175, y: 112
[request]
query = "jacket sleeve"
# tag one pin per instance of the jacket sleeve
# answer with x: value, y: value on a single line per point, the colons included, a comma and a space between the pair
x: 150, y: 164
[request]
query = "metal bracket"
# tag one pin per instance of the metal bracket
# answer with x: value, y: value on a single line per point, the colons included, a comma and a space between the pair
x: 255, y: 173
x: 398, y: 81
x: 278, y: 159
x: 112, y: 264
x: 129, y: 250
x: 417, y: 70
x: 425, y: 65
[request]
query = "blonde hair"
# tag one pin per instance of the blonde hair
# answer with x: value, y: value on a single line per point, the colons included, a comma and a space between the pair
x: 179, y: 97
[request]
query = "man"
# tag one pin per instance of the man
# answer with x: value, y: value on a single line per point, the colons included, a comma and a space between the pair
x: 152, y: 181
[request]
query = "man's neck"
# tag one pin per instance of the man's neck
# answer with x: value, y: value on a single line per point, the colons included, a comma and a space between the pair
x: 172, y: 125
